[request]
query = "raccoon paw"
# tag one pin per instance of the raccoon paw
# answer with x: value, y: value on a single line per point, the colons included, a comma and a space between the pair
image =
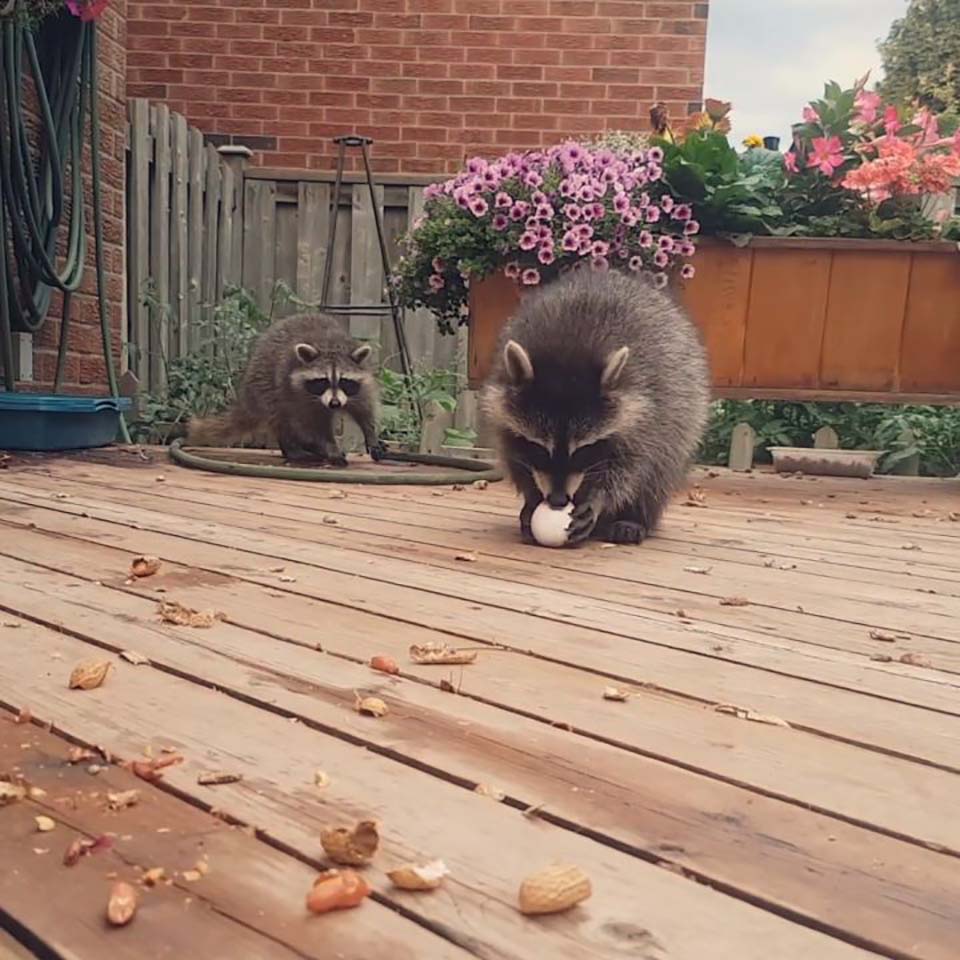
x: 583, y: 520
x: 625, y: 531
x: 378, y: 451
x: 337, y: 460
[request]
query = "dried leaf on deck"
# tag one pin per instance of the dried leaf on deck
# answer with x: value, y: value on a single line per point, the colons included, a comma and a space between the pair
x: 152, y: 770
x: 911, y: 546
x: 466, y: 557
x: 191, y: 876
x: 616, y: 693
x: 141, y: 567
x: 745, y: 714
x: 696, y: 497
x: 330, y: 521
x: 481, y: 484
x: 370, y: 706
x: 123, y: 799
x: 89, y: 675
x: 122, y: 904
x: 132, y: 656
x: 45, y: 824
x: 734, y: 602
x: 214, y: 778
x: 80, y: 755
x: 12, y: 625
x: 915, y: 660
x: 351, y: 846
x: 321, y: 779
x: 882, y: 636
x: 700, y: 570
x: 412, y: 876
x: 881, y: 657
x: 176, y: 613
x: 440, y: 653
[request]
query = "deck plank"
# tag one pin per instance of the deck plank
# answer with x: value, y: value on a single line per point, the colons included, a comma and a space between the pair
x: 421, y: 815
x: 837, y: 614
x: 686, y: 820
x: 250, y: 902
x: 858, y: 791
x: 500, y: 612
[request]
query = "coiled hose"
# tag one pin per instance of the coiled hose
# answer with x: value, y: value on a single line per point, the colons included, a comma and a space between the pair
x: 34, y: 200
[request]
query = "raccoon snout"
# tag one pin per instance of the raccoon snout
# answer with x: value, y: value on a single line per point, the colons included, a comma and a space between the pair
x: 334, y: 404
x: 558, y: 499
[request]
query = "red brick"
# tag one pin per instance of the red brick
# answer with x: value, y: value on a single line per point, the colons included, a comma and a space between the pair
x: 432, y: 80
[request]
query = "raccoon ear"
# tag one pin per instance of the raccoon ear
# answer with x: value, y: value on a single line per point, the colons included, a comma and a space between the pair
x: 361, y: 353
x: 517, y: 360
x: 306, y: 353
x: 613, y: 369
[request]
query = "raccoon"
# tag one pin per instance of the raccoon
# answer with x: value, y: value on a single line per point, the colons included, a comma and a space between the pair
x: 303, y: 373
x: 599, y: 395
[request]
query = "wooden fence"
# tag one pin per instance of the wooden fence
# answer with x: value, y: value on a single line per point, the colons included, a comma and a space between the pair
x: 202, y: 219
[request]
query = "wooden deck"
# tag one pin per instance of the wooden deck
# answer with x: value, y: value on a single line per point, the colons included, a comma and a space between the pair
x: 782, y: 783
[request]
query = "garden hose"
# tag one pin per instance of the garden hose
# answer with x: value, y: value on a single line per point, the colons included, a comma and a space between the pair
x: 32, y: 195
x: 466, y: 470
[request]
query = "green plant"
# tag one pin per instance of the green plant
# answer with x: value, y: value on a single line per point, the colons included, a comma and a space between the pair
x: 454, y: 437
x: 205, y: 380
x: 921, y: 55
x: 729, y: 194
x: 400, y: 395
x: 930, y: 433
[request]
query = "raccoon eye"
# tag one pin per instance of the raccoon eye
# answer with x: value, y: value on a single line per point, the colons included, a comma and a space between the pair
x: 350, y: 387
x: 590, y: 455
x: 317, y: 387
x: 533, y: 454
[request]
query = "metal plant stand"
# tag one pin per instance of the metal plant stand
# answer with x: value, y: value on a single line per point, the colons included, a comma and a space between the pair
x: 392, y: 306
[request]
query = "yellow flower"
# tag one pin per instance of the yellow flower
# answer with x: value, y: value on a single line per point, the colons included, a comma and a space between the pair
x: 753, y: 141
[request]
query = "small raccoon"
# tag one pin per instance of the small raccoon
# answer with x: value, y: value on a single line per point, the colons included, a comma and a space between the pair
x: 599, y: 396
x: 304, y: 371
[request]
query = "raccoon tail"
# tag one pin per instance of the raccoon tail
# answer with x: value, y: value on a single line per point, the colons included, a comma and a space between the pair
x: 221, y: 430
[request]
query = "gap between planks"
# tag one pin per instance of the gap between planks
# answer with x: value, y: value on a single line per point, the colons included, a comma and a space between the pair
x: 690, y: 918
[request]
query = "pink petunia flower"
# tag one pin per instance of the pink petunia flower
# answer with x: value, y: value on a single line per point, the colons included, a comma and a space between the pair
x: 512, y: 270
x: 478, y: 206
x: 530, y: 277
x: 687, y: 271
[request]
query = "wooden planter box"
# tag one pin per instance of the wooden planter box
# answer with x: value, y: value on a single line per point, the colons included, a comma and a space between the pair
x: 803, y: 319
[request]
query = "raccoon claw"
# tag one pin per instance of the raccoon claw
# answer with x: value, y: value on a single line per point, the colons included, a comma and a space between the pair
x: 582, y: 522
x: 378, y: 451
x: 626, y: 531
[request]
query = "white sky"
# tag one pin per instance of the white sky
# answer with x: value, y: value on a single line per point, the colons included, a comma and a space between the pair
x: 770, y: 57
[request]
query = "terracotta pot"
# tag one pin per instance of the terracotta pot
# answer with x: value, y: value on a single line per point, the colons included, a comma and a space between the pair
x: 803, y: 319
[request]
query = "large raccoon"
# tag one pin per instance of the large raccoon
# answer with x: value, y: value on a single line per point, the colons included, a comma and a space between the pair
x: 599, y: 395
x: 304, y: 372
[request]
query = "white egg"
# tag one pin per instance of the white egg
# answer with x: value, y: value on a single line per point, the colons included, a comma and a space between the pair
x: 549, y: 525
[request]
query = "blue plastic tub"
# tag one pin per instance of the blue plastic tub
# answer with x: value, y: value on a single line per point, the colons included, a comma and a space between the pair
x: 40, y: 422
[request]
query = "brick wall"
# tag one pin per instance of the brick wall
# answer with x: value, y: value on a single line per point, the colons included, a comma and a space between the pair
x: 85, y: 368
x: 430, y: 80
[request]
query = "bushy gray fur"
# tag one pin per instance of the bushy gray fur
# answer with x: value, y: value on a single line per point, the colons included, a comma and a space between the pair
x: 574, y: 413
x: 293, y: 357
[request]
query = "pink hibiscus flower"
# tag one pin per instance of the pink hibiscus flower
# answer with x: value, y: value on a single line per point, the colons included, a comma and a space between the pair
x: 827, y: 154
